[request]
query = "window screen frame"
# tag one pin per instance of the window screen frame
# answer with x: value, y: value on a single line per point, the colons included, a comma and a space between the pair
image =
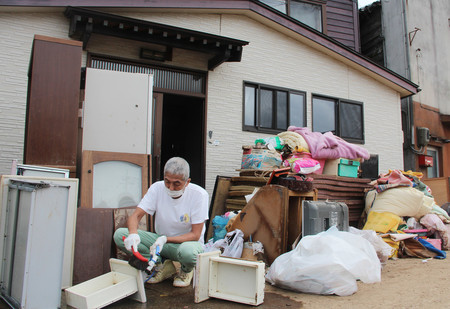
x: 338, y: 118
x: 257, y: 127
x: 320, y: 3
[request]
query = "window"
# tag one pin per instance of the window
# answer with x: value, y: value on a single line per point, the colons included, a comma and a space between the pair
x: 342, y: 117
x: 308, y: 12
x: 269, y: 109
x: 433, y: 171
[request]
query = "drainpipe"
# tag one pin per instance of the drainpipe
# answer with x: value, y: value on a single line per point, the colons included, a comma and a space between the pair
x: 409, y: 158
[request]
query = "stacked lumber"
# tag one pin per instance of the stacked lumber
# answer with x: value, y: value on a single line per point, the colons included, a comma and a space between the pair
x: 239, y: 188
x: 349, y: 190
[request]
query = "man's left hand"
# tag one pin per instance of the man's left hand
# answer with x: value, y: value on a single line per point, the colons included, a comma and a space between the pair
x: 160, y: 242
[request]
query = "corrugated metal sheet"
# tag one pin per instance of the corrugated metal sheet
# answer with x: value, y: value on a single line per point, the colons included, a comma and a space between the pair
x: 162, y: 77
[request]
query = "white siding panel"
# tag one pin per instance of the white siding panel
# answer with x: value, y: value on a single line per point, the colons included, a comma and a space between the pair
x: 16, y: 39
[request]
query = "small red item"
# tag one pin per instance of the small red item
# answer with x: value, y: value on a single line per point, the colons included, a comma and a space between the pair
x: 136, y: 253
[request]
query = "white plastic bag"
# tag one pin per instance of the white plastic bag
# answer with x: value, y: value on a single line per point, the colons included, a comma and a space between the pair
x: 232, y: 244
x: 327, y: 263
x: 383, y: 250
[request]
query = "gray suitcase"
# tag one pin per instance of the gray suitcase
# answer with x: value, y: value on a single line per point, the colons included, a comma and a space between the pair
x: 318, y: 216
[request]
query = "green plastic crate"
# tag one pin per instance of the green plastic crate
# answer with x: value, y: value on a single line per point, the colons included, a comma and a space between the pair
x: 348, y: 168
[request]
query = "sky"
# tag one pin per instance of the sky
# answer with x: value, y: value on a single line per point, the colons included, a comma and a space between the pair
x: 363, y: 3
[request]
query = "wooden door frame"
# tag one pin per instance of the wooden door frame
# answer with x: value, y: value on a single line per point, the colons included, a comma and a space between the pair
x: 157, y: 108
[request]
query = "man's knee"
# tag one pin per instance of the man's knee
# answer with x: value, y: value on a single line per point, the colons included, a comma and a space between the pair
x: 118, y: 235
x: 188, y: 251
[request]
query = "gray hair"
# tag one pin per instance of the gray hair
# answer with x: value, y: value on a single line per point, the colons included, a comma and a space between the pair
x: 177, y: 166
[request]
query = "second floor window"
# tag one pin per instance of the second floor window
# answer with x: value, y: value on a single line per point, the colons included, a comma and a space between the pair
x: 343, y: 118
x: 269, y: 109
x: 306, y: 11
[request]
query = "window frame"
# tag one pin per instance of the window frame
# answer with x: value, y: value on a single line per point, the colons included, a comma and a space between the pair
x: 435, y: 169
x: 321, y: 3
x: 337, y: 113
x: 257, y: 116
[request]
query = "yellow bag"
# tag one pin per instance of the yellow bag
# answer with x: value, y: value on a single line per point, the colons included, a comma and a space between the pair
x: 382, y: 222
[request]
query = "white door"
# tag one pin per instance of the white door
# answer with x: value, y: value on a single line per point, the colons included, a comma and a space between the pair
x: 117, y: 112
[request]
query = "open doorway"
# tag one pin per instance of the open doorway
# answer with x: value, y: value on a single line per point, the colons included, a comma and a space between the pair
x: 179, y: 128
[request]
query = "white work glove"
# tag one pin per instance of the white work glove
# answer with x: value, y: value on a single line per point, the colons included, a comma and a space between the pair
x: 133, y: 240
x: 160, y: 242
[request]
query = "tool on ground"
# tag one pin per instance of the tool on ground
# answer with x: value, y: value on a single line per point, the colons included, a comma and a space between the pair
x: 142, y: 263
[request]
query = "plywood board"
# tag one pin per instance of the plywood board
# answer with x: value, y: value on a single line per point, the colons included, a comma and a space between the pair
x: 264, y: 218
x: 93, y: 243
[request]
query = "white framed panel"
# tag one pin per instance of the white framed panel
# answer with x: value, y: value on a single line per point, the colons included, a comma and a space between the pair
x: 117, y: 111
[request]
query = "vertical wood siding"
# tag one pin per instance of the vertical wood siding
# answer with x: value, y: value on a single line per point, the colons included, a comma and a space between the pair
x: 341, y: 23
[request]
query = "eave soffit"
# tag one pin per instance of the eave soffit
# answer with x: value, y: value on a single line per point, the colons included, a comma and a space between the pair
x: 85, y: 22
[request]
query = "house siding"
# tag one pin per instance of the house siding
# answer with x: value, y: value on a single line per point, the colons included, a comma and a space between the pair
x: 270, y: 58
x: 342, y: 22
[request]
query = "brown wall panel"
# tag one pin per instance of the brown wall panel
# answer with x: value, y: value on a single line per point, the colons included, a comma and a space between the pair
x: 53, y: 95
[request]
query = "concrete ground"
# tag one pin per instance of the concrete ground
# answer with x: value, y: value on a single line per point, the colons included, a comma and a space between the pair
x: 163, y: 295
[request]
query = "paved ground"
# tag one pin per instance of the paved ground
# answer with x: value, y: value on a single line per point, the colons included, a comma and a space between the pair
x: 164, y: 295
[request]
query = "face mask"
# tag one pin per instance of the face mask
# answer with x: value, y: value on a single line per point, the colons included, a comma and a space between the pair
x: 174, y: 193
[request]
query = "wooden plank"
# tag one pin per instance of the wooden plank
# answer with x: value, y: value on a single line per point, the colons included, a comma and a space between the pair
x: 239, y: 193
x: 236, y: 202
x: 336, y: 188
x: 340, y: 178
x: 318, y: 182
x: 242, y: 188
x: 250, y: 180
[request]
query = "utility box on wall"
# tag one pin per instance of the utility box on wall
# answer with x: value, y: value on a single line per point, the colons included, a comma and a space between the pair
x: 425, y: 161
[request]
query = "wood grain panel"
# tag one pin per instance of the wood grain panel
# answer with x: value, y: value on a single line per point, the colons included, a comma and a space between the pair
x: 52, y: 109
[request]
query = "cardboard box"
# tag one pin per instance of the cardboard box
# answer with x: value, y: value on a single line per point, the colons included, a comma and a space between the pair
x: 260, y: 159
x: 341, y: 167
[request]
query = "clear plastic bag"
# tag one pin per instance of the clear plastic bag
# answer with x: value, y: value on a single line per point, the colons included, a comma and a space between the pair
x: 327, y: 263
x: 232, y: 244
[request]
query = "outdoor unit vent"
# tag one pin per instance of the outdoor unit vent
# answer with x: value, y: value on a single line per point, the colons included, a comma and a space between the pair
x: 423, y: 136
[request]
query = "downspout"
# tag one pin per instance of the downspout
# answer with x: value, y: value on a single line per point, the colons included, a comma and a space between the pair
x: 409, y: 157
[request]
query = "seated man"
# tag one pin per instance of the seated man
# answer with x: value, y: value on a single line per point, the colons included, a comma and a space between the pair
x: 180, y: 209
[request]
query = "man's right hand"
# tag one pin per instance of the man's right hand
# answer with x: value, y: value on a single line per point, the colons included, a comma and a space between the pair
x: 132, y: 241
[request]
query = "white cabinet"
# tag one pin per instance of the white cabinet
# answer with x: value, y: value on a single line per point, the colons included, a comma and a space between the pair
x: 33, y: 229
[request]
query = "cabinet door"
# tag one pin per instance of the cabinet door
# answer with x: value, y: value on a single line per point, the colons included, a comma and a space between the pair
x: 53, y: 99
x: 116, y: 113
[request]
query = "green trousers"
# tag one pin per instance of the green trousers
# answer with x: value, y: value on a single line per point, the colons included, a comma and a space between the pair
x: 185, y: 253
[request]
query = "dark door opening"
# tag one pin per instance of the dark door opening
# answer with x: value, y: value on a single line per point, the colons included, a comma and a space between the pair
x: 182, y: 134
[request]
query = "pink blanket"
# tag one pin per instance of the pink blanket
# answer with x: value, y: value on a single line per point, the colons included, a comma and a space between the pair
x: 329, y: 146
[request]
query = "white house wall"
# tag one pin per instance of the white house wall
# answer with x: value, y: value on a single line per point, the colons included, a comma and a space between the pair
x: 430, y: 51
x: 423, y: 56
x: 270, y: 58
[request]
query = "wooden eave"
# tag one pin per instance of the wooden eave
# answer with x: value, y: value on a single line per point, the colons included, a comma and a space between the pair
x: 253, y: 9
x: 84, y: 22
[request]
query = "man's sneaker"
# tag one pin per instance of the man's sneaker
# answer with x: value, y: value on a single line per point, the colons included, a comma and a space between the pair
x: 183, y: 279
x: 163, y: 271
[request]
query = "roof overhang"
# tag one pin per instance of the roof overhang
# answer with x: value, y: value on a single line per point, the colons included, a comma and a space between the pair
x: 85, y: 22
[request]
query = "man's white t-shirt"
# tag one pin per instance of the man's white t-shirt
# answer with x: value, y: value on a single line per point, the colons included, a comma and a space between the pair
x: 174, y: 217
